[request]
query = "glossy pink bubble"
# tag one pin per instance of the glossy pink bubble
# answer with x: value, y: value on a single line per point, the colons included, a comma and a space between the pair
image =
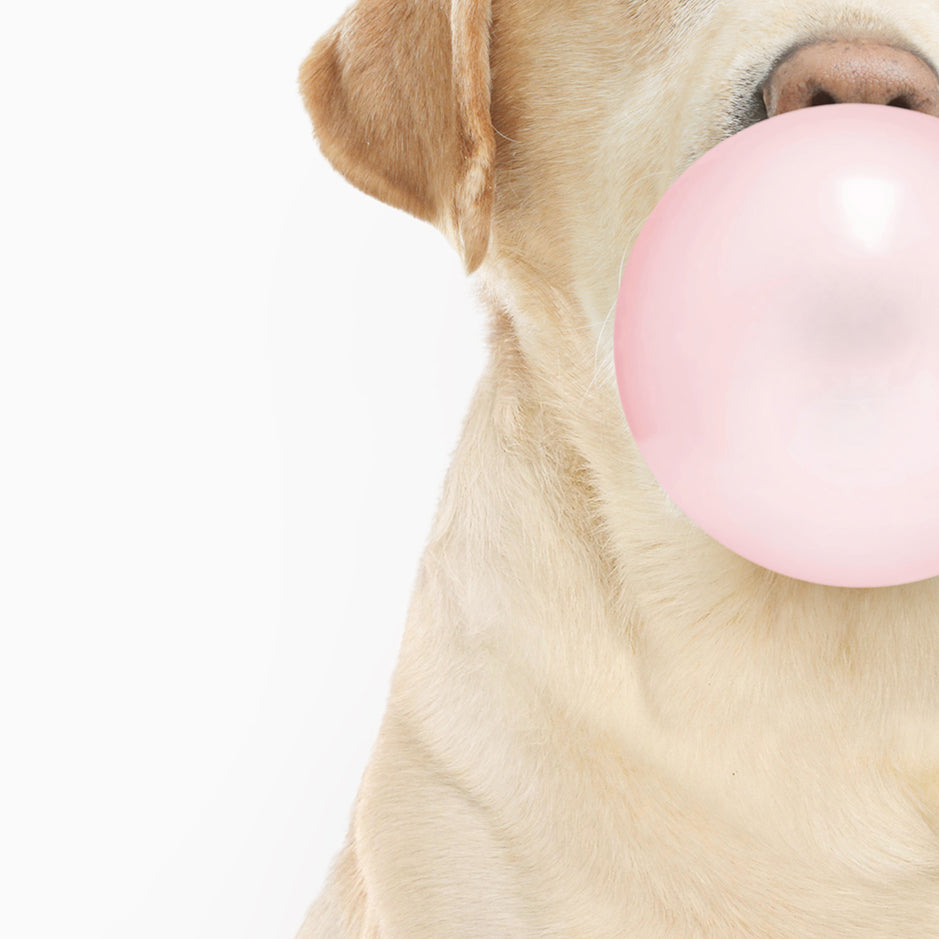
x: 777, y: 344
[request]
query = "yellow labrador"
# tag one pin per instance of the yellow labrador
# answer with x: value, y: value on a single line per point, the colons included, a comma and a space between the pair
x: 602, y: 722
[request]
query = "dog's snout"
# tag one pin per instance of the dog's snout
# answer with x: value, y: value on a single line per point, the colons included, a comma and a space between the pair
x: 836, y: 72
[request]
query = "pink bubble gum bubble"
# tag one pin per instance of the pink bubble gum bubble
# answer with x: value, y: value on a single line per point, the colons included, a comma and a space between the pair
x: 777, y: 344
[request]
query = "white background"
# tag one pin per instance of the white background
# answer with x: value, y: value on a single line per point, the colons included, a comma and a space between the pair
x: 230, y: 385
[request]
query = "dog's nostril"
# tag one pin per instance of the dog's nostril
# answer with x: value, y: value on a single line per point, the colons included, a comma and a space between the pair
x: 901, y: 101
x: 822, y: 97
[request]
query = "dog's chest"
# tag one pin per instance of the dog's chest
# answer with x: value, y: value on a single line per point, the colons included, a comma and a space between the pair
x: 654, y: 861
x: 763, y: 841
x: 777, y: 838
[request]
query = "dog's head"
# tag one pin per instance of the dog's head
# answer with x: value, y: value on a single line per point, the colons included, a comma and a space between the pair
x: 539, y: 134
x: 549, y: 128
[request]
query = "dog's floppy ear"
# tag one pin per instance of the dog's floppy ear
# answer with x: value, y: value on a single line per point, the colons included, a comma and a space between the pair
x: 399, y: 95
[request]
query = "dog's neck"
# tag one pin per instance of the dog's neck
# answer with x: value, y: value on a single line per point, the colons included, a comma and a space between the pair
x: 675, y: 594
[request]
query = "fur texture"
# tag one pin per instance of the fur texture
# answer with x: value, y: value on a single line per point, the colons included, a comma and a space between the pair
x: 602, y: 722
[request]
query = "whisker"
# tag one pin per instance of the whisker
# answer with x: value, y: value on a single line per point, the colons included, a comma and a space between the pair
x: 504, y: 136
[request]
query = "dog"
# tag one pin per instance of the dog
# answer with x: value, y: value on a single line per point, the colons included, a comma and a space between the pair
x: 602, y: 722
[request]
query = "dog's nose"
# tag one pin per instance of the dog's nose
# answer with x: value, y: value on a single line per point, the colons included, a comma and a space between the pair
x: 835, y: 72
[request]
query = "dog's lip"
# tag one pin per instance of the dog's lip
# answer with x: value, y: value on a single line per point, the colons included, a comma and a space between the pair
x: 745, y: 109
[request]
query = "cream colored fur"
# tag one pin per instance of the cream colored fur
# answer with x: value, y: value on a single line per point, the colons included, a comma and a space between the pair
x: 602, y: 722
